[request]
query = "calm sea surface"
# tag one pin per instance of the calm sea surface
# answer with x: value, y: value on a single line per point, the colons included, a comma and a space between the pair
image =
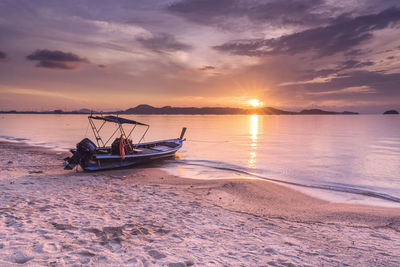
x: 339, y: 158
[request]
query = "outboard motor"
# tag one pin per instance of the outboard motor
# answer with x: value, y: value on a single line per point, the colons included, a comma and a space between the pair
x: 84, y: 151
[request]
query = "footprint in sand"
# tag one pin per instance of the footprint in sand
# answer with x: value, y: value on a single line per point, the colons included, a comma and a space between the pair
x: 156, y: 255
x: 45, y: 248
x: 21, y: 256
x: 50, y: 248
x: 38, y: 248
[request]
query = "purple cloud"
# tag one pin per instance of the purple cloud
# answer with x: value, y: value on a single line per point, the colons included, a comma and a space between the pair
x: 56, y: 59
x: 163, y: 42
x: 205, y: 68
x: 325, y: 41
x: 275, y: 11
x: 2, y: 55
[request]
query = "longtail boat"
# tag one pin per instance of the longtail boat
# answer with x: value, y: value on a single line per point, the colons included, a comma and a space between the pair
x: 122, y: 152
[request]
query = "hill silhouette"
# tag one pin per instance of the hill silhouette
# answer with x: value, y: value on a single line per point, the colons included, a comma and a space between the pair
x: 323, y: 112
x: 147, y: 109
x: 392, y: 111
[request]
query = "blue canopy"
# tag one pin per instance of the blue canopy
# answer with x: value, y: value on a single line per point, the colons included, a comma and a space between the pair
x: 116, y: 119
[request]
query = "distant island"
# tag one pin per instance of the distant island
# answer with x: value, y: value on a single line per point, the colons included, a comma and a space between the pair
x: 323, y: 112
x: 392, y: 111
x: 168, y: 110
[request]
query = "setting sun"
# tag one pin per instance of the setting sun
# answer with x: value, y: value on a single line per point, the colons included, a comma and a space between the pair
x: 255, y: 102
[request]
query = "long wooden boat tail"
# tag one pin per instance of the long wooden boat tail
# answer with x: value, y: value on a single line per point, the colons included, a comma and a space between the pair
x: 122, y: 153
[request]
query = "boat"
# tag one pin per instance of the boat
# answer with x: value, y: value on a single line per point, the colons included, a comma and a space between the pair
x: 122, y: 152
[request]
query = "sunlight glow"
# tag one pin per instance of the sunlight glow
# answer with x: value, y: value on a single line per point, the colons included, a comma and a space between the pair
x: 254, y: 128
x: 254, y: 137
x: 255, y: 103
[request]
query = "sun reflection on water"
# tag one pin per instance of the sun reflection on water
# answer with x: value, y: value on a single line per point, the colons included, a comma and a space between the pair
x: 253, y: 137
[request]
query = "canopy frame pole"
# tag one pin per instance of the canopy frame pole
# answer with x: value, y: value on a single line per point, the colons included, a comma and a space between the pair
x: 124, y: 135
x: 96, y: 133
x: 129, y: 135
x: 104, y: 122
x: 111, y: 136
x: 144, y: 134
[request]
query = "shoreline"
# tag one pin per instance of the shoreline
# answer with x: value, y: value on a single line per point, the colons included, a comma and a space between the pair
x: 256, y: 186
x: 30, y: 143
x: 143, y: 216
x: 365, y: 198
x: 330, y: 195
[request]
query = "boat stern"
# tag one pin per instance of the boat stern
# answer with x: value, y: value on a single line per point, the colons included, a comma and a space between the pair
x: 83, y: 152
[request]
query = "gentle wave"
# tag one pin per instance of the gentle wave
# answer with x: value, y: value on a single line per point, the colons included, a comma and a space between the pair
x: 224, y: 166
x: 12, y: 138
x: 28, y: 141
x: 245, y: 171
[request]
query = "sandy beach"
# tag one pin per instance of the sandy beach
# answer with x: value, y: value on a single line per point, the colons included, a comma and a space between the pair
x: 146, y: 217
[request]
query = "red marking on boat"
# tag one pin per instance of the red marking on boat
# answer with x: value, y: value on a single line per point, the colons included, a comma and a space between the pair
x: 122, y: 147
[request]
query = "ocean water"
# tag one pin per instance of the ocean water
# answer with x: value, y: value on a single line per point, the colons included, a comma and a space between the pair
x: 352, y: 159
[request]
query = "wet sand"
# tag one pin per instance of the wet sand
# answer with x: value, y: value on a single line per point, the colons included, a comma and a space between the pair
x: 145, y: 217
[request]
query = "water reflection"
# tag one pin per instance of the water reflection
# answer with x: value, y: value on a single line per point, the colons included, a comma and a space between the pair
x: 361, y: 152
x: 253, y: 137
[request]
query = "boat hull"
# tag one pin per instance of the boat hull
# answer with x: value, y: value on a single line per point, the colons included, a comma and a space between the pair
x: 106, y: 164
x: 148, y: 152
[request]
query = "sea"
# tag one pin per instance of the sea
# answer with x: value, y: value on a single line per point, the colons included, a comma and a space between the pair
x: 339, y: 158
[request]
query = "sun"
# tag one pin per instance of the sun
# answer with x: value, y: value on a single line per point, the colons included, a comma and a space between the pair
x: 254, y: 103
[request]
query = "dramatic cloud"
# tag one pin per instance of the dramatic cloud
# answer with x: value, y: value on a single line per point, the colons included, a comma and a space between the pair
x: 356, y: 89
x: 204, y: 10
x: 356, y: 82
x: 339, y: 70
x: 290, y: 12
x: 207, y: 12
x: 325, y: 75
x: 163, y: 42
x: 205, y: 68
x: 350, y: 64
x: 289, y: 54
x: 2, y: 55
x: 56, y: 59
x: 326, y: 41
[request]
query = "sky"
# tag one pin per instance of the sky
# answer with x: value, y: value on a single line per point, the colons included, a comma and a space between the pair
x: 115, y: 54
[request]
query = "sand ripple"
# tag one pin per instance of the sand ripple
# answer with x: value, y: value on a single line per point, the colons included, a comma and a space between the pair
x: 142, y: 217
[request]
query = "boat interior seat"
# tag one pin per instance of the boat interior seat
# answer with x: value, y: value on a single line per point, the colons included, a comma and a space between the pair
x: 135, y: 150
x: 161, y: 148
x: 102, y: 150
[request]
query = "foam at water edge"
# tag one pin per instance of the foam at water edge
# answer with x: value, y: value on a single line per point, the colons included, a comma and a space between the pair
x: 384, y: 199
